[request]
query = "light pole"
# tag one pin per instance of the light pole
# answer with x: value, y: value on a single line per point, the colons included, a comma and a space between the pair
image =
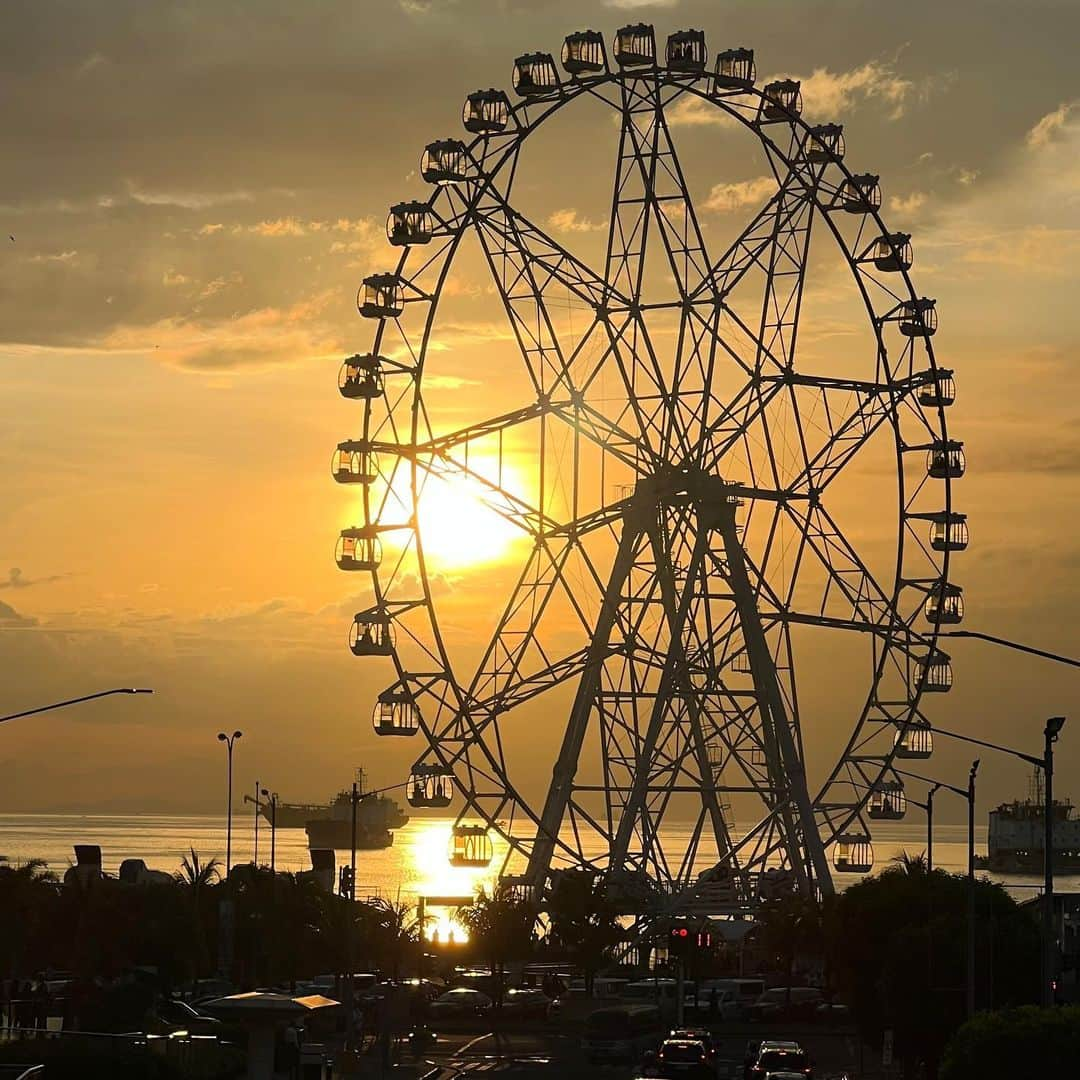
x: 928, y: 806
x: 1050, y: 736
x: 1046, y: 763
x: 273, y: 824
x: 258, y: 812
x: 76, y: 701
x: 971, y: 891
x: 229, y: 740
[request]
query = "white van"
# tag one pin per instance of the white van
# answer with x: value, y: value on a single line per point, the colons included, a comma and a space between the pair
x: 736, y: 996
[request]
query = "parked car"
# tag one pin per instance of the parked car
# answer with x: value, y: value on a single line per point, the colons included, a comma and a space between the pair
x: 177, y: 1015
x: 787, y: 1003
x: 460, y: 1002
x: 775, y: 1055
x: 526, y: 1003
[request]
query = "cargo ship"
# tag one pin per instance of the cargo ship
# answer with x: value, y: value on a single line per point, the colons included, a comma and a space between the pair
x: 1018, y: 831
x: 329, y: 825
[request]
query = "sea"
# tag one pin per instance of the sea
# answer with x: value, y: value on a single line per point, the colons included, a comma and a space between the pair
x: 416, y: 864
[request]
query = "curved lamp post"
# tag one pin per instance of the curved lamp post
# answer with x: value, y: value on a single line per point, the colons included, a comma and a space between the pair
x: 76, y: 701
x: 229, y: 740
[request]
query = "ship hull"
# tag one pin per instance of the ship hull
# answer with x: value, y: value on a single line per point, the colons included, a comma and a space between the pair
x: 337, y: 834
x: 1025, y: 862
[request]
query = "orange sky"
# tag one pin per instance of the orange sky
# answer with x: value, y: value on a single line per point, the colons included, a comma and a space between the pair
x: 193, y: 197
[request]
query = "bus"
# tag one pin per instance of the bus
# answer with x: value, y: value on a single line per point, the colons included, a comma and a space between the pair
x: 621, y: 1032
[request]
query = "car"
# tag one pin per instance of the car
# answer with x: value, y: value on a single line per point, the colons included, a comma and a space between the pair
x: 773, y: 1056
x: 678, y: 1057
x: 178, y: 1015
x: 787, y: 1003
x: 701, y: 1035
x: 460, y: 1002
x: 526, y: 1003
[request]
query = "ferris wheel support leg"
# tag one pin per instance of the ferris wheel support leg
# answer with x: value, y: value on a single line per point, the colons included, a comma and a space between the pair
x: 562, y: 777
x: 674, y: 679
x: 786, y: 769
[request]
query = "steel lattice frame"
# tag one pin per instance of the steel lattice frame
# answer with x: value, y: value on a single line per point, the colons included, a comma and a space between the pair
x: 686, y: 669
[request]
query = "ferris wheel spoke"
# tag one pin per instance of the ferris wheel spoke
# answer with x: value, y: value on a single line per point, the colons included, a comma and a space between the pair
x: 849, y: 413
x: 525, y: 264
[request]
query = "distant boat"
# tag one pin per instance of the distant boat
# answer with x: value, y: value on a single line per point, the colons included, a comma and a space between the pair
x: 1018, y: 831
x: 329, y: 824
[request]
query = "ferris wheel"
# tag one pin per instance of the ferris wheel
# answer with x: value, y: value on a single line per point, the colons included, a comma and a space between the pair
x: 684, y: 584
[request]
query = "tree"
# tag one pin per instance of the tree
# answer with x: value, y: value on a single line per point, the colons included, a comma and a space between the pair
x: 500, y: 930
x: 1028, y: 1041
x: 196, y: 878
x: 898, y: 942
x: 28, y: 894
x: 398, y: 932
x: 584, y: 921
x: 790, y: 925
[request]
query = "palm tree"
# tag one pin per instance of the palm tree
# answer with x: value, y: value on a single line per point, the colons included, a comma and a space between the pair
x: 399, y: 929
x: 584, y: 921
x: 500, y: 927
x: 911, y: 865
x: 196, y: 877
x: 26, y: 893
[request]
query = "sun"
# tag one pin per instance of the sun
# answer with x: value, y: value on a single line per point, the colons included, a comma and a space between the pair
x: 458, y: 529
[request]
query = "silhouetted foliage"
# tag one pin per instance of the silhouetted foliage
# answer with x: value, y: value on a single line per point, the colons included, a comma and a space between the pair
x: 583, y: 921
x: 900, y: 955
x: 500, y: 929
x: 1028, y: 1041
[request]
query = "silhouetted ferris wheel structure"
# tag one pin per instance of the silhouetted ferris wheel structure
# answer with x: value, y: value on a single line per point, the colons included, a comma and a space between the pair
x: 654, y: 621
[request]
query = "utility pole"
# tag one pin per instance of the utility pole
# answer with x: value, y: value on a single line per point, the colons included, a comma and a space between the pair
x: 229, y: 741
x: 258, y: 812
x: 971, y: 891
x: 930, y: 828
x: 1050, y: 736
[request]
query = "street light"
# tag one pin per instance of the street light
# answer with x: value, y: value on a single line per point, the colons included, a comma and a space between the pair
x: 1046, y: 763
x: 1050, y: 736
x: 928, y: 806
x: 273, y: 824
x: 228, y: 740
x: 76, y: 701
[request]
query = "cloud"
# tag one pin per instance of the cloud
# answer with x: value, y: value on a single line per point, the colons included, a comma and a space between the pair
x: 16, y: 580
x: 57, y: 257
x: 173, y: 277
x: 211, y: 229
x: 967, y: 177
x: 10, y: 618
x: 723, y: 198
x: 633, y: 5
x: 211, y: 288
x: 281, y: 227
x: 907, y: 204
x: 696, y: 112
x: 567, y: 220
x: 827, y: 94
x: 1052, y: 125
x: 265, y: 337
x: 188, y: 200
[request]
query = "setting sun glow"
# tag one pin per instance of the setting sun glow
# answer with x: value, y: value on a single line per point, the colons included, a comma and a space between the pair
x: 459, y: 529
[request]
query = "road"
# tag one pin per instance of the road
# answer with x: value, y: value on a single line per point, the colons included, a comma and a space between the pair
x: 834, y: 1052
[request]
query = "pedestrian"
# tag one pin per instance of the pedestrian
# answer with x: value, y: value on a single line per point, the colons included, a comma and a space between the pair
x: 714, y: 1004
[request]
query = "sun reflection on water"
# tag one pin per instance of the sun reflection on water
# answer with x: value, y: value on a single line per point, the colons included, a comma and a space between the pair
x: 427, y: 852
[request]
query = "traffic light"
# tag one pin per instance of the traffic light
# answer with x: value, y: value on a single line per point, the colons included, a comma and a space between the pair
x: 684, y: 939
x: 346, y: 884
